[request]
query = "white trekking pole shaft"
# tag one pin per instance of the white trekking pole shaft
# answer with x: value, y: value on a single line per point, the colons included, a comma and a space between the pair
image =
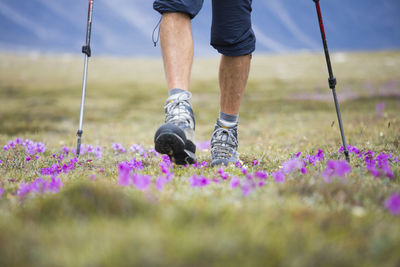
x: 86, y: 50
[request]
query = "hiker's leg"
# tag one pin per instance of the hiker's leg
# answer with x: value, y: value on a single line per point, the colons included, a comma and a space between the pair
x: 233, y: 75
x: 176, y: 39
x: 233, y: 37
x: 176, y: 136
x: 177, y: 49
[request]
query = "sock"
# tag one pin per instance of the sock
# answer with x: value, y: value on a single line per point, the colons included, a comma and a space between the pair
x: 228, y: 120
x: 175, y: 91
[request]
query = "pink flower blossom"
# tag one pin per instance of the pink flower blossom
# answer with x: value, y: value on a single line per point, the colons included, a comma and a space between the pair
x: 160, y: 182
x: 279, y: 177
x: 235, y: 182
x: 117, y: 147
x: 198, y: 181
x: 337, y: 168
x: 222, y: 174
x: 392, y: 204
x: 291, y: 165
x: 379, y: 108
x: 141, y: 182
x: 246, y: 188
x: 203, y: 145
x: 261, y: 175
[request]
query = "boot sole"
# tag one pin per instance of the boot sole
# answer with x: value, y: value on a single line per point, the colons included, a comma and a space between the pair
x: 171, y: 140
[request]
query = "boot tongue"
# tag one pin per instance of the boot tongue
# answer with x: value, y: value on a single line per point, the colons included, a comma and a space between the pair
x: 179, y: 97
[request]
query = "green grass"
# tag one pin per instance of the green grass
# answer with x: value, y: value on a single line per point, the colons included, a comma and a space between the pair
x: 303, y: 222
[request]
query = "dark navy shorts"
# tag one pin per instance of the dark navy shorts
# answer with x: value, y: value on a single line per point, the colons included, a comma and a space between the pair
x: 231, y: 32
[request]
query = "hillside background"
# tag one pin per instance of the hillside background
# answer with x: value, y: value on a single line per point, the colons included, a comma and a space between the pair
x: 124, y: 27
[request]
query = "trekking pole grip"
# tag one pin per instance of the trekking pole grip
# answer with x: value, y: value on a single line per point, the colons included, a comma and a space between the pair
x: 86, y: 48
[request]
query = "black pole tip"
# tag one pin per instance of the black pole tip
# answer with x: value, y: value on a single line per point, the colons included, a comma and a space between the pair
x: 78, y: 146
x: 346, y: 153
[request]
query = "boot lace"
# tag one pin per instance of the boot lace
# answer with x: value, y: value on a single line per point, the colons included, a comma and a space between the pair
x: 177, y: 111
x: 223, y: 141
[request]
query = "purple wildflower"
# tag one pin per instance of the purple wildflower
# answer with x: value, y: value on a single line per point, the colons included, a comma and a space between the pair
x: 6, y: 147
x: 379, y: 108
x: 223, y: 175
x: 380, y: 165
x: 39, y: 186
x: 204, y: 164
x: 198, y: 181
x: 261, y: 175
x: 98, y: 152
x: 166, y: 164
x: 255, y: 162
x: 65, y: 150
x: 238, y: 164
x: 124, y: 177
x: 279, y: 177
x: 338, y: 168
x: 23, y: 190
x: 320, y: 155
x: 313, y: 159
x: 298, y: 154
x: 203, y: 145
x: 169, y: 177
x: 1, y: 191
x: 216, y: 180
x: 153, y: 152
x: 40, y: 148
x: 392, y: 204
x: 117, y: 147
x: 11, y: 144
x: 89, y: 149
x: 244, y: 170
x: 135, y: 148
x: 291, y: 165
x: 55, y: 184
x: 160, y: 182
x: 27, y: 158
x: 246, y: 188
x: 235, y: 182
x: 353, y: 149
x: 141, y: 182
x: 18, y: 141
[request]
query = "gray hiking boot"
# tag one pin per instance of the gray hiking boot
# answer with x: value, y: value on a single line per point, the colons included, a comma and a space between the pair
x: 224, y: 145
x: 176, y: 136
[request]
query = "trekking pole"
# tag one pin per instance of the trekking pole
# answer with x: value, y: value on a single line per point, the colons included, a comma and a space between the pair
x: 86, y: 50
x: 332, y: 79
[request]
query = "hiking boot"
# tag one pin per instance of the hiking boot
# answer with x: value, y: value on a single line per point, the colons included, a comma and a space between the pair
x: 176, y: 136
x: 224, y: 145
